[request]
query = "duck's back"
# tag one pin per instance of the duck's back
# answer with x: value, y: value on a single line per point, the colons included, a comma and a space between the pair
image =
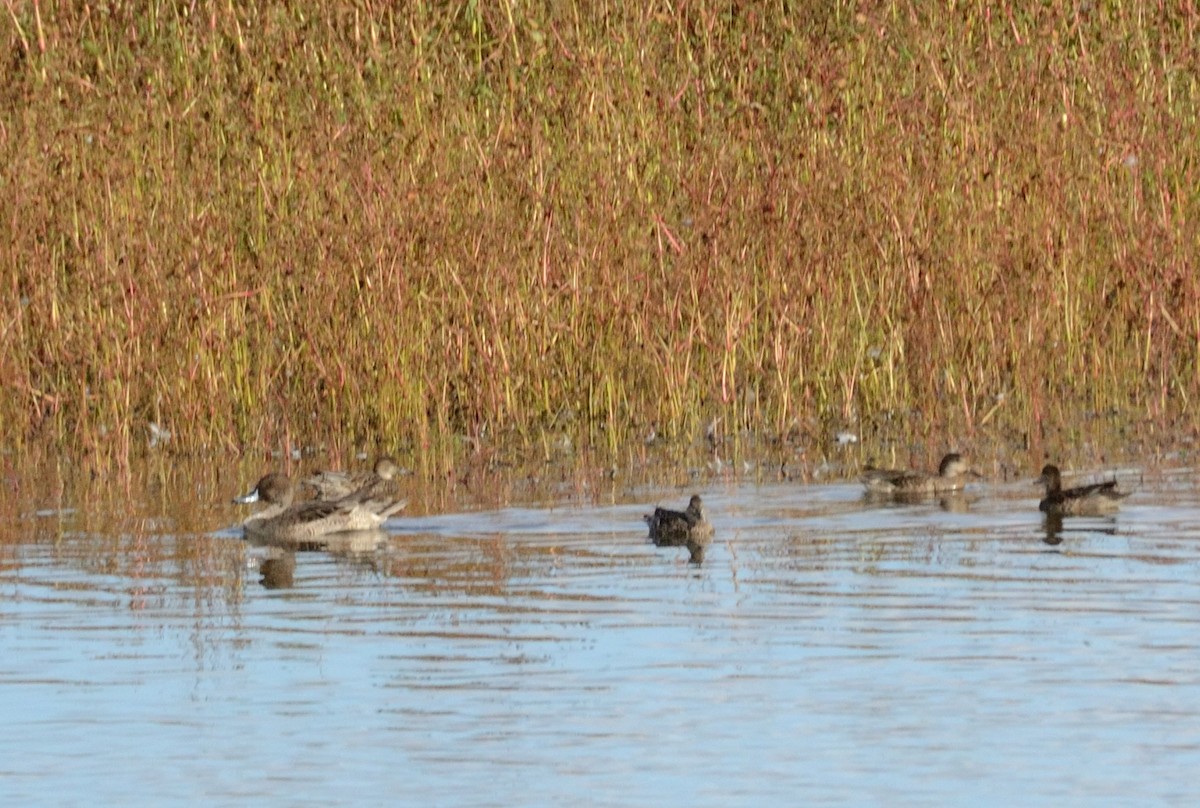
x: 1086, y: 500
x: 891, y: 481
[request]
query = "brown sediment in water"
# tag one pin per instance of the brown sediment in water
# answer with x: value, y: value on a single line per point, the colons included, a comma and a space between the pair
x: 292, y: 226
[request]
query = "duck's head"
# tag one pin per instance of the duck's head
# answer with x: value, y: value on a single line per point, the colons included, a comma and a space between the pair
x: 273, y: 488
x: 1051, y: 478
x: 953, y: 465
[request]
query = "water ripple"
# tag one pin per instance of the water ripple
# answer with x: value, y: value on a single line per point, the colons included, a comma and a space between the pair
x: 827, y: 650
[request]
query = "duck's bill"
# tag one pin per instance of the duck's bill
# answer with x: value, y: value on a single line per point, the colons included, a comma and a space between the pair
x: 247, y: 498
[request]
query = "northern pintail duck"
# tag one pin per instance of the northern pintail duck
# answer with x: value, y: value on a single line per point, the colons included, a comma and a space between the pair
x: 687, y: 528
x: 1085, y: 500
x: 364, y: 485
x: 951, y: 477
x: 311, y: 522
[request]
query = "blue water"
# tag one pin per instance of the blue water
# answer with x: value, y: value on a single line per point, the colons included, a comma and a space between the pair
x: 828, y: 651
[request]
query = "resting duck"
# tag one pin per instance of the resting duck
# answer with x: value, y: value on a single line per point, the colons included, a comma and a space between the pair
x: 951, y: 477
x: 687, y: 528
x: 309, y: 522
x: 332, y: 485
x: 1085, y: 500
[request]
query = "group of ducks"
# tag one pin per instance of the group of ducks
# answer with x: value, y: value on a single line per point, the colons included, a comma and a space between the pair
x: 689, y: 528
x: 344, y: 502
x: 1085, y: 500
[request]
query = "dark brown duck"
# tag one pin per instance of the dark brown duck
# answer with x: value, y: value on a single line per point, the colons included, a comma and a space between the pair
x: 1084, y: 500
x: 687, y: 528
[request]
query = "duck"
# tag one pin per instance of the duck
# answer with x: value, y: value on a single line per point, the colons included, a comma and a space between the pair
x: 952, y: 476
x: 334, y: 485
x: 311, y: 522
x: 1085, y: 500
x: 687, y: 528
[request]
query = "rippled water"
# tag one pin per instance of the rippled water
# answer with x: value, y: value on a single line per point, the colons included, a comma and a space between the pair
x: 828, y: 650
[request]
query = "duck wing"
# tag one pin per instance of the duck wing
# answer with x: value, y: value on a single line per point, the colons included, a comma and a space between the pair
x: 667, y: 527
x: 887, y: 479
x: 314, y: 510
x: 1105, y: 489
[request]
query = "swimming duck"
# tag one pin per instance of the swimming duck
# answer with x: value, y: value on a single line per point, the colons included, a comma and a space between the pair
x: 951, y: 477
x: 1085, y: 500
x: 688, y: 528
x: 310, y: 522
x: 333, y: 485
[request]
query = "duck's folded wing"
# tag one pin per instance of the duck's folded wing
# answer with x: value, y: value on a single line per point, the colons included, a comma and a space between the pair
x: 314, y: 510
x: 372, y: 490
x: 887, y: 477
x: 331, y: 484
x: 1096, y: 489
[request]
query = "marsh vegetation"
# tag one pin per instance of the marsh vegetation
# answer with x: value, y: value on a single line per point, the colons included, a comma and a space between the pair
x: 355, y: 225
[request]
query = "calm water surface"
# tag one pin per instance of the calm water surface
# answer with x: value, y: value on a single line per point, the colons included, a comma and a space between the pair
x: 829, y: 650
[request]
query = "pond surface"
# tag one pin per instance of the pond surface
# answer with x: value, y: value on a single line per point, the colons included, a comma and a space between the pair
x: 828, y: 650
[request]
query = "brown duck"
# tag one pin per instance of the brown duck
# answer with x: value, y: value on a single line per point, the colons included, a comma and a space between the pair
x: 364, y: 485
x: 310, y: 522
x: 687, y: 528
x: 1085, y: 500
x: 952, y: 475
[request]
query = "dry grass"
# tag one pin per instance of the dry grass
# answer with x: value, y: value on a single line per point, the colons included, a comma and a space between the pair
x: 290, y: 225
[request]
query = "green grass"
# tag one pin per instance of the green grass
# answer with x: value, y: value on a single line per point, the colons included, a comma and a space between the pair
x: 339, y: 225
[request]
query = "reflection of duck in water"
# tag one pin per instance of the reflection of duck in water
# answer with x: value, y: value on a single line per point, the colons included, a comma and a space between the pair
x: 308, y: 525
x: 278, y: 572
x: 687, y: 528
x: 277, y: 567
x: 1054, y: 529
x: 954, y: 502
x: 1085, y: 500
x: 951, y: 477
x: 331, y: 485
